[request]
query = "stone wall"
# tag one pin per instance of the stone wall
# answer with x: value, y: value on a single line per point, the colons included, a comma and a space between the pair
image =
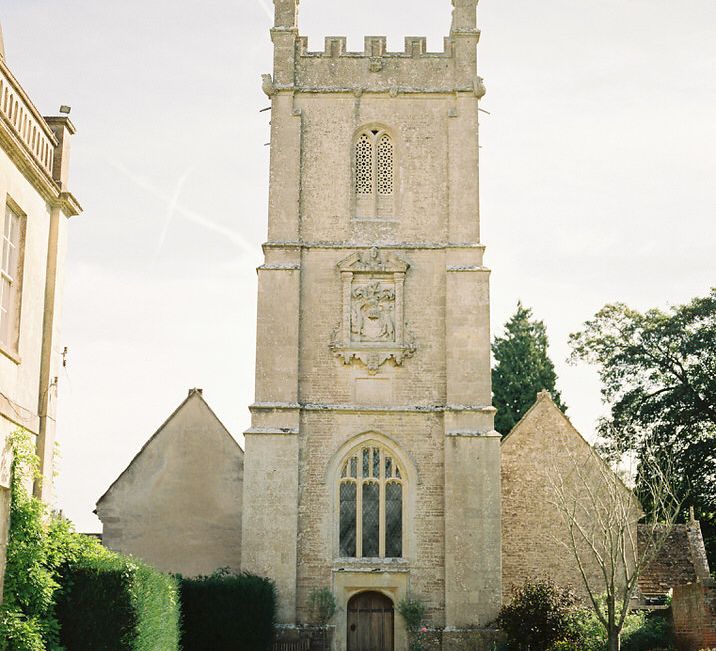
x: 694, y: 610
x: 312, y: 638
x: 472, y: 640
x: 178, y: 505
x: 543, y: 449
x: 419, y: 436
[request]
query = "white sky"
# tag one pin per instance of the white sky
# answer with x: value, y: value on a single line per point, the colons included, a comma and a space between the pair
x: 598, y: 179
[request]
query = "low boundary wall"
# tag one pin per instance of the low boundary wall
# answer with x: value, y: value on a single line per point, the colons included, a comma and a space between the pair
x: 694, y: 611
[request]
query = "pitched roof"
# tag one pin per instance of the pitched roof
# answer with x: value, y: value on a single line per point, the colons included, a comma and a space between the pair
x: 544, y: 399
x: 194, y: 394
x: 681, y: 560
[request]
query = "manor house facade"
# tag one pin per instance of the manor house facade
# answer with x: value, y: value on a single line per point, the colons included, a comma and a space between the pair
x: 35, y: 204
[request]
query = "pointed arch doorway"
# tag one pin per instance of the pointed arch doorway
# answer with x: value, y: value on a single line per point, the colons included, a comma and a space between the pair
x: 370, y: 622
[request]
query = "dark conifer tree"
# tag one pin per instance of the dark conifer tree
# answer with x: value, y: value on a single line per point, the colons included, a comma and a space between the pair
x: 521, y: 369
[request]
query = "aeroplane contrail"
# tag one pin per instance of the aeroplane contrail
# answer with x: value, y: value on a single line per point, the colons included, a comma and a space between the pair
x: 186, y: 213
x: 266, y: 9
x: 171, y: 210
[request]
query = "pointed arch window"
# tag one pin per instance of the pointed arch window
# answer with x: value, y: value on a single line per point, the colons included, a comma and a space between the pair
x: 374, y: 174
x: 371, y: 493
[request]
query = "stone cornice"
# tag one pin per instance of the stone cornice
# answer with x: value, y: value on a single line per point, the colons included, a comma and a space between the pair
x: 347, y: 407
x: 277, y: 431
x: 292, y: 244
x: 465, y: 433
x: 392, y: 91
x: 467, y: 267
x: 34, y: 172
x: 17, y: 151
x: 69, y: 204
x: 371, y: 565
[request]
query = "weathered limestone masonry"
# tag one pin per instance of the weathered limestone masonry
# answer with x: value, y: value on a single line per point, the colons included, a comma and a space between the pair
x: 373, y: 392
x: 544, y: 447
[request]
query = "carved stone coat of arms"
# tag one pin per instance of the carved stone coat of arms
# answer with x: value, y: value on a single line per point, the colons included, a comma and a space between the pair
x: 372, y: 327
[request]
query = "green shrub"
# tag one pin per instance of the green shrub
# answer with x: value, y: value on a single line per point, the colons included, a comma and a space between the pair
x: 323, y: 605
x: 27, y: 619
x: 544, y: 616
x: 39, y: 545
x: 19, y: 632
x: 47, y: 573
x: 115, y: 603
x: 412, y: 610
x: 225, y: 612
x: 539, y: 615
x: 586, y: 633
x: 644, y: 632
x: 641, y: 632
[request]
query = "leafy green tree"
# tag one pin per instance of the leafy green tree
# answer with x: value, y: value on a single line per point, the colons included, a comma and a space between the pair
x: 522, y: 369
x: 658, y: 373
x: 39, y: 545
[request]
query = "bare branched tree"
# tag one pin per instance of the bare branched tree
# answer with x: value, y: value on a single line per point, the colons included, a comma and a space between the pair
x: 601, y: 515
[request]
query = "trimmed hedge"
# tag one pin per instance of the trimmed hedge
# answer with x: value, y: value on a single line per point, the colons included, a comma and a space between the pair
x: 227, y: 612
x: 118, y: 604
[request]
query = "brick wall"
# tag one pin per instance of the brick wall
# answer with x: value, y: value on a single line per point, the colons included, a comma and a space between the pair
x: 694, y: 610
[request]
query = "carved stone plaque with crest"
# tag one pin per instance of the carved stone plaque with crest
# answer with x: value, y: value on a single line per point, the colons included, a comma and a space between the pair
x: 372, y: 329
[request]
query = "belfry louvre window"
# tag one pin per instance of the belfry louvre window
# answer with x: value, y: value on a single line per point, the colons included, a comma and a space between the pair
x: 371, y: 505
x: 374, y: 174
x: 10, y: 251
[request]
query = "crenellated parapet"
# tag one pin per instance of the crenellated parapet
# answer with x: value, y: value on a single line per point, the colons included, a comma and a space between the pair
x: 374, y: 46
x: 375, y: 69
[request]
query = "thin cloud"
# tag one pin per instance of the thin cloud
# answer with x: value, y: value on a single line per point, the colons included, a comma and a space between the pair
x: 171, y: 210
x: 186, y: 213
x: 266, y: 8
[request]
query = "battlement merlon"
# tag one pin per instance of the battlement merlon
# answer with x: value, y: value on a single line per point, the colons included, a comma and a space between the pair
x: 334, y: 69
x: 286, y: 14
x: 464, y: 17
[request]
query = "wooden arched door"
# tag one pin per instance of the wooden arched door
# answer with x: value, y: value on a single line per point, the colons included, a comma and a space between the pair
x: 370, y: 622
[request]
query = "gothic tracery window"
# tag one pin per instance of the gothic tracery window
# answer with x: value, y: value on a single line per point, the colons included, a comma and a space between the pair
x: 374, y: 174
x: 371, y: 504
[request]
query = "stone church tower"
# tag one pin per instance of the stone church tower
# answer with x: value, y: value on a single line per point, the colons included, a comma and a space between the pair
x: 372, y: 467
